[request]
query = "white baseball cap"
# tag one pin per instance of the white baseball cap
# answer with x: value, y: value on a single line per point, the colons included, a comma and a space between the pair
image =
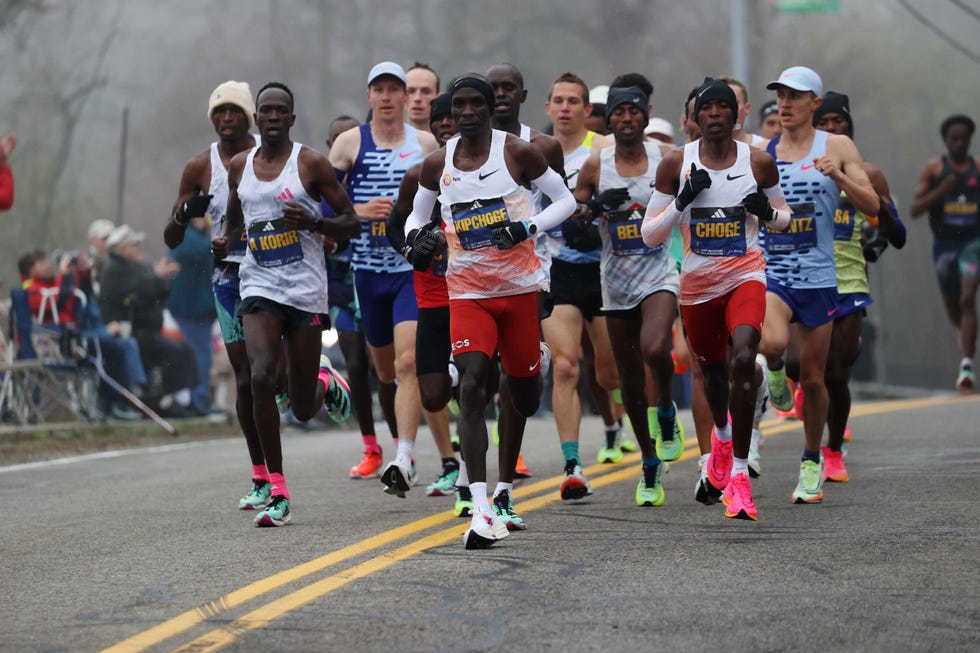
x: 599, y: 94
x: 387, y: 68
x: 660, y: 126
x: 799, y: 78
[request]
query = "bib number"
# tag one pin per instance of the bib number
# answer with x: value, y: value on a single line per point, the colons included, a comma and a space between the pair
x: 960, y: 213
x: 474, y: 221
x: 273, y: 244
x: 844, y: 218
x: 718, y: 231
x: 624, y: 233
x: 801, y: 234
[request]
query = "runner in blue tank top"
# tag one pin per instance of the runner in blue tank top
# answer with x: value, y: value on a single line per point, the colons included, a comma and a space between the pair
x: 800, y: 276
x: 372, y: 160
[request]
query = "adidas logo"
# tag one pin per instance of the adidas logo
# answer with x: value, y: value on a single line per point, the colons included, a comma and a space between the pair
x: 285, y: 195
x: 719, y: 214
x: 476, y: 205
x: 268, y: 227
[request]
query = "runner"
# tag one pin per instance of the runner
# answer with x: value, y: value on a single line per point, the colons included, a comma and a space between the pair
x: 769, y: 125
x: 949, y: 191
x: 744, y: 108
x: 801, y: 279
x: 422, y: 86
x: 576, y: 293
x: 639, y: 283
x: 432, y: 345
x: 834, y: 116
x: 493, y: 275
x: 274, y: 196
x: 204, y: 190
x: 345, y: 315
x: 372, y: 159
x: 723, y: 276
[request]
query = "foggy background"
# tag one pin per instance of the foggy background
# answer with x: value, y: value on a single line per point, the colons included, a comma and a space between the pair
x: 71, y: 68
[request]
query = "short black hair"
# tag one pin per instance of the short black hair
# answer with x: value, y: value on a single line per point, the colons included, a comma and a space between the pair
x: 25, y: 262
x: 634, y: 79
x: 687, y: 102
x: 957, y: 119
x: 281, y: 87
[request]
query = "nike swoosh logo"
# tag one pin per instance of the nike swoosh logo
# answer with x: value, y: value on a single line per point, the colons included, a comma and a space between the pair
x: 730, y: 178
x: 534, y: 367
x: 803, y: 167
x: 405, y: 155
x: 569, y: 177
x: 831, y: 313
x: 484, y: 176
x: 859, y: 302
x: 653, y: 184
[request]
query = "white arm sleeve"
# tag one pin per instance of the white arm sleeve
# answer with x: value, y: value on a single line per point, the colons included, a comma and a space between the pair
x: 562, y: 201
x: 660, y: 218
x: 778, y: 202
x: 425, y: 201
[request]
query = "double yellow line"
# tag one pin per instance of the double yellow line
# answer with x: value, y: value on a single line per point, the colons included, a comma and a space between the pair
x: 600, y: 475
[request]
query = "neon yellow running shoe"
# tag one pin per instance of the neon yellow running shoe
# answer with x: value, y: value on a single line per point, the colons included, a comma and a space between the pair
x: 671, y: 447
x: 649, y: 491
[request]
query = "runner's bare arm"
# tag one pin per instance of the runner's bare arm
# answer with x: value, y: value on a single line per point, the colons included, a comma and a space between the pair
x: 234, y: 220
x: 192, y: 182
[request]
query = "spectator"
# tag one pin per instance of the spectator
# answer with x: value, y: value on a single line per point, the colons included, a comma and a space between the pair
x: 134, y: 291
x: 25, y: 263
x: 191, y: 302
x: 7, y: 146
x: 51, y: 296
x: 98, y: 250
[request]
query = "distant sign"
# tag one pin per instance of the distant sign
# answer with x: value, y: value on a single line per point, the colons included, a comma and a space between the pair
x: 809, y: 6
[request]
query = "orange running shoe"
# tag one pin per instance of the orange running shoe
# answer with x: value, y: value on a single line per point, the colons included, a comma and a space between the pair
x: 521, y: 470
x: 720, y: 462
x: 833, y: 466
x: 798, y: 402
x: 847, y: 433
x: 369, y: 465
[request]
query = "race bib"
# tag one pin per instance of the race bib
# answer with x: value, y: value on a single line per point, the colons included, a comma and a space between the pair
x: 718, y: 231
x: 474, y: 221
x: 377, y: 235
x: 844, y: 219
x: 960, y: 213
x: 273, y: 244
x: 801, y: 234
x: 624, y: 233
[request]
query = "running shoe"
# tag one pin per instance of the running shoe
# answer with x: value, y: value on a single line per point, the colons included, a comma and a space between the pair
x: 649, y: 491
x: 626, y: 444
x: 495, y: 434
x: 575, y: 486
x: 257, y: 497
x: 520, y: 469
x: 485, y: 529
x: 847, y: 433
x: 966, y: 380
x: 833, y: 466
x: 369, y: 465
x: 737, y: 498
x: 670, y: 446
x: 798, y: 402
x: 809, y: 489
x: 503, y: 508
x: 397, y: 480
x: 274, y: 514
x: 444, y: 485
x: 336, y: 394
x: 755, y: 459
x: 720, y: 462
x: 464, y: 502
x: 762, y: 392
x: 454, y: 440
x: 780, y: 392
x: 612, y: 453
x: 704, y: 491
x: 283, y: 404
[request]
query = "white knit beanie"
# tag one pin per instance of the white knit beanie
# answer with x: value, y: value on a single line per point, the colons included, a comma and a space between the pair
x: 232, y: 92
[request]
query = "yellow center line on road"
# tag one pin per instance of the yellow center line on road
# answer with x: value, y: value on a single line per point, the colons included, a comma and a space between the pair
x: 618, y: 472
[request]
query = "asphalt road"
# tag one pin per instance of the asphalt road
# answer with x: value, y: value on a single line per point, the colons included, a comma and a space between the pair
x: 144, y: 550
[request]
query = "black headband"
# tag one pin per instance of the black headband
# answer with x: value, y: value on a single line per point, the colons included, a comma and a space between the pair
x: 632, y: 95
x: 715, y: 89
x: 835, y: 103
x: 441, y: 106
x: 477, y: 82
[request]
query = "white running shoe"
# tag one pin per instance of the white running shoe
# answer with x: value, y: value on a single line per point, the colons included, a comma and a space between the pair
x: 485, y: 529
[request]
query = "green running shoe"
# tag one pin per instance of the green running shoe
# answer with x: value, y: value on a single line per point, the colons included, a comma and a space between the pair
x: 669, y: 448
x: 649, y: 491
x: 275, y: 514
x: 464, y: 502
x: 610, y: 455
x: 257, y: 497
x: 503, y: 507
x: 444, y: 485
x: 780, y: 393
x: 809, y: 489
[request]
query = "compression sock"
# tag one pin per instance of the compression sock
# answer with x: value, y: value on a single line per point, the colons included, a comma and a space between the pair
x: 278, y: 482
x: 570, y: 451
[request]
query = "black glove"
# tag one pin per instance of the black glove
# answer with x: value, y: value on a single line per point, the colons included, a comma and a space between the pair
x: 420, y: 244
x: 607, y: 200
x: 696, y: 182
x: 875, y: 247
x: 758, y: 205
x: 508, y: 235
x: 195, y: 207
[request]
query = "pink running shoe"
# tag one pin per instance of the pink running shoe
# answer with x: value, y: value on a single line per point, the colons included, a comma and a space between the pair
x: 833, y: 466
x: 737, y: 498
x: 720, y: 461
